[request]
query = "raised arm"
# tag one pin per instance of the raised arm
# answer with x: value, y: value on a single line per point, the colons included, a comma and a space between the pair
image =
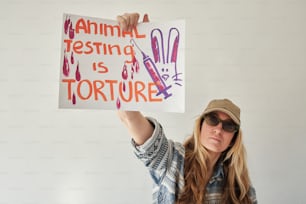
x: 138, y: 126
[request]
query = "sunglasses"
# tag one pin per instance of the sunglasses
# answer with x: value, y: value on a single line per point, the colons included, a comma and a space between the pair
x: 227, y: 125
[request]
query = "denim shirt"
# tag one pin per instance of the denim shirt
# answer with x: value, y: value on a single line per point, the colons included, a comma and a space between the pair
x: 165, y: 161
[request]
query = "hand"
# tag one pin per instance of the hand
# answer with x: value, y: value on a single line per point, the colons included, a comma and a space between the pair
x: 139, y: 127
x: 128, y: 21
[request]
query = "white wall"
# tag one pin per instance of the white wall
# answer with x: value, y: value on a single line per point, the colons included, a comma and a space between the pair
x: 250, y: 51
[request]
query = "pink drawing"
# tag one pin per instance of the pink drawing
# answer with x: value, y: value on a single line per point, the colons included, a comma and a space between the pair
x: 71, y: 31
x: 66, y: 25
x: 124, y: 73
x: 77, y: 73
x: 118, y: 103
x: 72, y: 58
x: 73, y: 99
x: 66, y: 68
x: 166, y: 56
x: 123, y: 86
x: 135, y: 64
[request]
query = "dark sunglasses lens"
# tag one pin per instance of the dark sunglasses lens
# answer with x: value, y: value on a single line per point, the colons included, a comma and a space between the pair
x: 212, y: 120
x: 229, y: 126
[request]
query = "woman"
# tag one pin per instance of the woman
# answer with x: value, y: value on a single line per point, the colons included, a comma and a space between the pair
x: 209, y: 167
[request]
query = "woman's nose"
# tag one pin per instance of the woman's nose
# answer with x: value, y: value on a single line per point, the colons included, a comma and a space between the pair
x: 218, y: 128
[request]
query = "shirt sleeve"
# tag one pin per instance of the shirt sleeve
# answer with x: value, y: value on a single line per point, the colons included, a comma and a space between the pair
x: 252, y: 194
x: 154, y: 153
x: 164, y: 159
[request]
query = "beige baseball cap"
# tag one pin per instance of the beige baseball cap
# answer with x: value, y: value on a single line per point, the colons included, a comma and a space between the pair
x: 225, y: 106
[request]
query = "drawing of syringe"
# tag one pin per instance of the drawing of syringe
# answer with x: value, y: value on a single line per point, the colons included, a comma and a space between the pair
x: 153, y: 72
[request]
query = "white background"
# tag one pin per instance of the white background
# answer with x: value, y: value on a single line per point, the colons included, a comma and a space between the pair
x: 252, y: 52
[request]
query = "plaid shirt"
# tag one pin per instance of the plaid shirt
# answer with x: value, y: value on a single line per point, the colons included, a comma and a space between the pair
x: 165, y: 161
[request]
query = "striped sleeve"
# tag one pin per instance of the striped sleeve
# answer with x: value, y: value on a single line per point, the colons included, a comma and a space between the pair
x: 154, y: 153
x: 165, y: 161
x: 252, y: 194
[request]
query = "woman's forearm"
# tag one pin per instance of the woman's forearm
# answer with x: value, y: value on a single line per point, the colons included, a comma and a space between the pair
x: 138, y: 126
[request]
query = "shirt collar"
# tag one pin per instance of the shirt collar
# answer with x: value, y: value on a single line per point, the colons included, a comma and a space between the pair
x: 218, y: 173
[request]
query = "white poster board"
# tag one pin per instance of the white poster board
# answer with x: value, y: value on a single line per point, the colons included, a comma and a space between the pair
x: 103, y: 67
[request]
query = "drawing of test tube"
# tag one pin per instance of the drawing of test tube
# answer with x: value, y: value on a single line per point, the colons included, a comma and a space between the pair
x: 153, y: 72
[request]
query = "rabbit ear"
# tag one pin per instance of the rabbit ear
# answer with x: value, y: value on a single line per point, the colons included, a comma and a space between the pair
x: 157, y: 45
x: 174, y: 50
x: 173, y: 43
x: 155, y: 49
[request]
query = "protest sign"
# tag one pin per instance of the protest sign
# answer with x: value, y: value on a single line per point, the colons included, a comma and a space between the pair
x: 103, y: 67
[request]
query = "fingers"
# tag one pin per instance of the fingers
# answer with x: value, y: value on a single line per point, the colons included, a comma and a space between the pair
x: 128, y: 21
x: 145, y: 18
x: 133, y: 21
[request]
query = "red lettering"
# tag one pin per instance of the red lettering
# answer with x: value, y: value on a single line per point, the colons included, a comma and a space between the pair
x: 99, y: 67
x: 69, y: 81
x: 111, y: 29
x: 89, y: 89
x: 77, y: 47
x: 88, y: 45
x: 97, y: 44
x: 81, y: 25
x: 132, y: 33
x: 91, y: 27
x: 97, y: 89
x: 111, y: 85
x: 68, y: 44
x: 152, y: 92
x: 139, y: 87
x: 130, y: 91
x: 138, y: 35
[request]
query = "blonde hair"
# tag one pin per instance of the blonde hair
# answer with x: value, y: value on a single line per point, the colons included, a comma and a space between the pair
x: 196, y: 166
